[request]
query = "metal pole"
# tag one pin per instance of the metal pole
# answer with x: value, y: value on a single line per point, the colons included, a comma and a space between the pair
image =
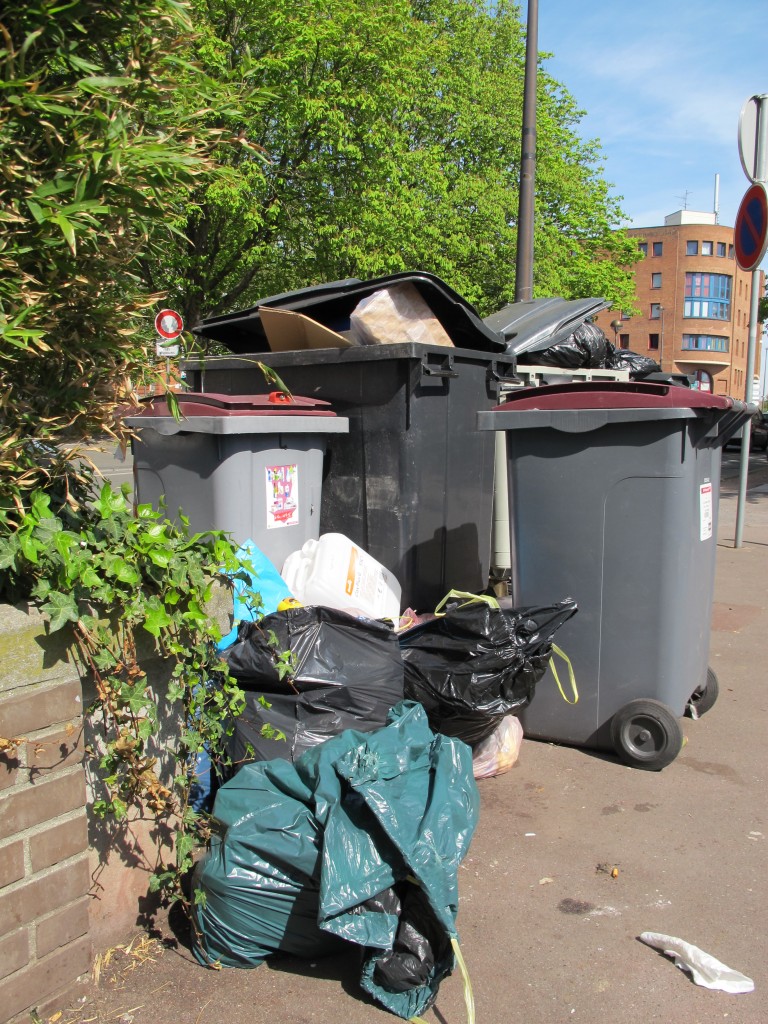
x: 524, y: 265
x: 761, y: 167
x: 661, y: 349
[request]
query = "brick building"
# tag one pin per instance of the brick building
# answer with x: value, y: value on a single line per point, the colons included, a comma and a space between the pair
x: 694, y: 303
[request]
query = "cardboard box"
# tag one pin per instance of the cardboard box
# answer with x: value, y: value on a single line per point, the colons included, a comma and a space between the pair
x: 287, y: 331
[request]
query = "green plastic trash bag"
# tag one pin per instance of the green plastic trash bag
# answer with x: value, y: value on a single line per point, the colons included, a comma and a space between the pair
x: 360, y: 840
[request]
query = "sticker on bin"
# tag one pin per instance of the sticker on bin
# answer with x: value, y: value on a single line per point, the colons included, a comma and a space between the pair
x: 706, y: 521
x: 282, y: 496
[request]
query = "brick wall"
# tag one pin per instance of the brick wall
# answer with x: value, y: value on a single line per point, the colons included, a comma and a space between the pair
x: 45, y: 874
x: 71, y: 886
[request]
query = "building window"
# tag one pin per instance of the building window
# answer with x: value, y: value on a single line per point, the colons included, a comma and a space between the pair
x: 655, y: 310
x: 657, y: 248
x: 706, y: 248
x: 707, y: 296
x: 623, y: 341
x: 704, y: 343
x: 730, y: 252
x: 721, y: 248
x: 653, y: 342
x: 655, y: 280
x: 625, y: 316
x: 643, y: 247
x: 691, y: 248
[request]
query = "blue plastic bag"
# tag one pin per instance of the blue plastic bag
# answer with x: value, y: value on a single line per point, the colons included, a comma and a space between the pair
x: 259, y: 594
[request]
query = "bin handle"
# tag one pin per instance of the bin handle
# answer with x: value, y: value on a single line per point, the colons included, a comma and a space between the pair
x: 438, y: 371
x: 500, y: 378
x: 571, y: 675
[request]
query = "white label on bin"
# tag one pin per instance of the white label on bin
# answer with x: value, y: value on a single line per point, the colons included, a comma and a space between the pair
x: 282, y: 496
x: 705, y: 511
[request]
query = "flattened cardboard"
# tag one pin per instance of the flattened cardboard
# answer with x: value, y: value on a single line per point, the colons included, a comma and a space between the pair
x: 287, y: 331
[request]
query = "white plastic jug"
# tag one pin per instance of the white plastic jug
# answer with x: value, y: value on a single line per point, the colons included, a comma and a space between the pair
x: 335, y: 572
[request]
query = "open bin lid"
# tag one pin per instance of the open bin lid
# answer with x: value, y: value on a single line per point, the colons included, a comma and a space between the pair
x: 331, y: 305
x: 580, y: 407
x: 205, y: 413
x: 538, y: 324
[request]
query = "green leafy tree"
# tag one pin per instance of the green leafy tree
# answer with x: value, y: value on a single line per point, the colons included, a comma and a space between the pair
x: 391, y: 142
x: 103, y: 129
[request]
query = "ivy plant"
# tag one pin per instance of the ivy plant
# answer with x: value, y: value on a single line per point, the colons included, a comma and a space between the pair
x: 129, y: 587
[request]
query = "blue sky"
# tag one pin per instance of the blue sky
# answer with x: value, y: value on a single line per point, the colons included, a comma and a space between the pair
x: 662, y: 83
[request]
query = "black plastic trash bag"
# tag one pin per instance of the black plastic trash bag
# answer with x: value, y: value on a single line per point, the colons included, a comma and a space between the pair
x: 586, y: 347
x: 360, y: 840
x: 347, y: 673
x: 639, y: 366
x: 479, y: 662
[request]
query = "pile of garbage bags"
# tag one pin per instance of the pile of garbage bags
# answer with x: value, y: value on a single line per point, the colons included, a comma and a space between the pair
x: 350, y: 799
x: 358, y: 841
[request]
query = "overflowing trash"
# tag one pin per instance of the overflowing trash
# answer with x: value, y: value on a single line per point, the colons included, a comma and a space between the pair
x: 374, y: 694
x: 588, y: 348
x: 358, y: 841
x: 392, y: 315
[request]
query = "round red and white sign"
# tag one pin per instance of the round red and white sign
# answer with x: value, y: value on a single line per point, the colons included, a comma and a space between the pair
x: 168, y: 324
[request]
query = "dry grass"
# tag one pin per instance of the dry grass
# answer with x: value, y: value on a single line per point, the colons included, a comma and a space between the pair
x: 110, y: 970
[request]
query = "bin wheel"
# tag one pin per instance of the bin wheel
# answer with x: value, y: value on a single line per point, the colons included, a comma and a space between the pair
x: 703, y: 699
x: 646, y: 734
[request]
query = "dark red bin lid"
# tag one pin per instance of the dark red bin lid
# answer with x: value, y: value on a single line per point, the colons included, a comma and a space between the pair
x: 613, y: 395
x: 197, y: 403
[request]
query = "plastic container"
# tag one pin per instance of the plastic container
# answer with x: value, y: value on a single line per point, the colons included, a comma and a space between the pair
x: 335, y: 572
x: 613, y: 498
x: 250, y: 465
x: 412, y: 481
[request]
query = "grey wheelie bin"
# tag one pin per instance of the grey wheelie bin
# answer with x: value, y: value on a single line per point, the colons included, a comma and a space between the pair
x: 412, y: 481
x: 250, y: 465
x: 613, y: 497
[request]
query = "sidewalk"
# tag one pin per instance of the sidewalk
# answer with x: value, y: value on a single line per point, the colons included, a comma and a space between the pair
x: 547, y: 933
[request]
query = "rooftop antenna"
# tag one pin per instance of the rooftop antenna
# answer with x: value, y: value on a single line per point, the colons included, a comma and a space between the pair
x: 717, y: 199
x: 684, y: 198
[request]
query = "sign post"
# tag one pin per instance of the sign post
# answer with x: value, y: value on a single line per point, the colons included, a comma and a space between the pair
x: 169, y: 325
x: 750, y: 243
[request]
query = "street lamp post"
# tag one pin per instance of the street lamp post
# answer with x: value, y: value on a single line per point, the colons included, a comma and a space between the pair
x: 661, y: 348
x: 616, y: 325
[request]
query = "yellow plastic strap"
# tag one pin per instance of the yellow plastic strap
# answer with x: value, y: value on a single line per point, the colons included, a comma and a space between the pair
x: 571, y: 677
x: 469, y: 998
x: 488, y: 599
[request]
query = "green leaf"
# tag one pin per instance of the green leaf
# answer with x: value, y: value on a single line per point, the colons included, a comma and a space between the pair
x: 66, y: 229
x: 156, y: 620
x: 104, y: 83
x: 61, y: 608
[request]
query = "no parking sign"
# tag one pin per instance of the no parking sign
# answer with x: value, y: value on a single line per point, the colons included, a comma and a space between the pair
x: 751, y: 230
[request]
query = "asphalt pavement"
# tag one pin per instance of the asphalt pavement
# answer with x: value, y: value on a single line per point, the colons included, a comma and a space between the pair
x: 575, y: 856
